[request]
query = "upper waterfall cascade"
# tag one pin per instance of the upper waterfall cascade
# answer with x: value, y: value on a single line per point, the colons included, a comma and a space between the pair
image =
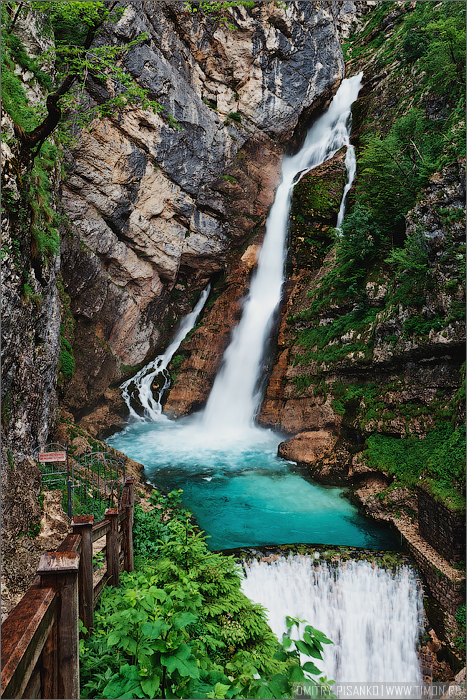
x: 235, y: 397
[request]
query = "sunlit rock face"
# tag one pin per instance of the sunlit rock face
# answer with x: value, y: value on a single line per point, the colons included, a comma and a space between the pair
x: 153, y: 205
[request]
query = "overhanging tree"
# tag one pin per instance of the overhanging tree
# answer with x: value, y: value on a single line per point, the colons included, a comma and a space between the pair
x: 75, y: 62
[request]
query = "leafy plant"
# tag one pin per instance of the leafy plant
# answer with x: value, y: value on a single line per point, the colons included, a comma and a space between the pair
x: 180, y: 626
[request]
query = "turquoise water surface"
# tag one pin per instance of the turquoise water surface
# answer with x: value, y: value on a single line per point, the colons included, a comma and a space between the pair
x: 241, y: 493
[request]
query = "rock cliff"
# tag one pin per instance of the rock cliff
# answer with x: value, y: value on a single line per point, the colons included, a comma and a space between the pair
x: 30, y: 307
x: 157, y: 207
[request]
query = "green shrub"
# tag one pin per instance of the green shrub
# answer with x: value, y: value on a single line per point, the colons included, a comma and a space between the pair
x: 361, y: 236
x: 180, y: 626
x: 66, y: 364
x: 438, y: 458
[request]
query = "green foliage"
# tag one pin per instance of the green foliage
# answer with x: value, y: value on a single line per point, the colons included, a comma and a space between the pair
x: 361, y: 236
x: 34, y: 529
x: 28, y: 295
x: 217, y: 7
x: 460, y: 637
x: 11, y: 460
x: 414, y: 45
x: 325, y: 343
x: 438, y: 460
x: 176, y: 363
x: 444, y: 58
x: 14, y: 99
x: 393, y: 169
x: 420, y: 325
x: 71, y: 24
x: 180, y: 626
x: 66, y: 363
x: 235, y: 116
x: 411, y: 267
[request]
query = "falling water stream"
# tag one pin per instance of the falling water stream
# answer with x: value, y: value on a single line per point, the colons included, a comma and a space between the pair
x: 372, y: 616
x: 240, y: 491
x: 139, y: 388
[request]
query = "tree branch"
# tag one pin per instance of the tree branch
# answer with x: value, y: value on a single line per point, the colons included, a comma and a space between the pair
x: 20, y: 7
x: 29, y: 139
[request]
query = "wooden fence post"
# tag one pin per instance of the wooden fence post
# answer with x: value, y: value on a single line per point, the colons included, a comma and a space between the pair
x: 82, y: 525
x: 59, y: 571
x: 113, y: 563
x: 128, y: 526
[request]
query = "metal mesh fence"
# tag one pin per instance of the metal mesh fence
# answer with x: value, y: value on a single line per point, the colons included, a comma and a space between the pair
x: 90, y: 482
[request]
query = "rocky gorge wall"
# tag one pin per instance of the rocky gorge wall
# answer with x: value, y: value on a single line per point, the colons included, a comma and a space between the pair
x: 30, y: 312
x: 148, y: 210
x: 156, y: 209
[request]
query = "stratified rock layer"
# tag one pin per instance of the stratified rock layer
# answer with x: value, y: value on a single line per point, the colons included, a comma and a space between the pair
x: 154, y: 205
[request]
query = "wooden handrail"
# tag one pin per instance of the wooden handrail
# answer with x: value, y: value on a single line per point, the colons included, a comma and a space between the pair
x: 24, y: 633
x: 71, y: 543
x: 40, y: 653
x: 100, y: 529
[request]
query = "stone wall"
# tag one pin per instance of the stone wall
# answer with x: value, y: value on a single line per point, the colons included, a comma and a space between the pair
x: 441, y: 527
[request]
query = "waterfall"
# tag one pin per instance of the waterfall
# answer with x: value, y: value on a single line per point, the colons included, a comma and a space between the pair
x: 373, y: 616
x: 235, y: 396
x: 142, y: 381
x: 351, y: 167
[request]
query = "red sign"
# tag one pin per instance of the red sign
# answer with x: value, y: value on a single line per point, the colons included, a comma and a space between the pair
x: 52, y: 457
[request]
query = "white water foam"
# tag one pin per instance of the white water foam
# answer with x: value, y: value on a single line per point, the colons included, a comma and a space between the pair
x: 372, y: 615
x: 141, y: 382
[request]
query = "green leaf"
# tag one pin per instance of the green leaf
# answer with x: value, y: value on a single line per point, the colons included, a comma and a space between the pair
x: 182, y: 661
x: 308, y: 649
x: 279, y: 685
x: 220, y: 690
x: 296, y: 674
x: 310, y: 668
x: 183, y: 619
x: 318, y: 634
x: 114, y: 638
x: 127, y: 687
x: 153, y: 629
x: 151, y: 686
x: 265, y: 692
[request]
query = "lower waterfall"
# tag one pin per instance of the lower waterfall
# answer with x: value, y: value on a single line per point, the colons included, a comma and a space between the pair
x: 373, y: 616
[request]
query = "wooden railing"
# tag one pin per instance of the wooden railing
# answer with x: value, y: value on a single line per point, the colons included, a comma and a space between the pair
x: 40, y: 637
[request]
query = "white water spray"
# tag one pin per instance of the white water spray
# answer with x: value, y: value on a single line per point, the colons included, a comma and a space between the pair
x: 235, y: 397
x: 142, y: 381
x: 372, y: 615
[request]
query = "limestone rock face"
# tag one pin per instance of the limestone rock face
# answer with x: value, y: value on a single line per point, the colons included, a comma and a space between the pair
x: 306, y: 448
x: 153, y: 205
x: 30, y: 322
x: 204, y: 350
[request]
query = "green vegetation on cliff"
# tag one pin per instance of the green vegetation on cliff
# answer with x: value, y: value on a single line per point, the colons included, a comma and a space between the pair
x: 436, y: 462
x: 394, y: 281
